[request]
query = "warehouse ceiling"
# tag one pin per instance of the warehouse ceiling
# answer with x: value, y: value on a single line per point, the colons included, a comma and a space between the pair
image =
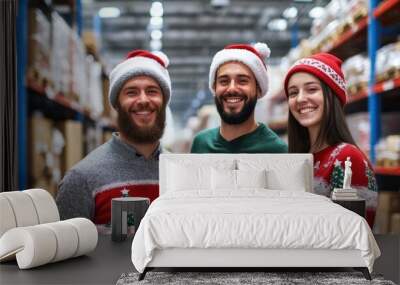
x: 192, y: 32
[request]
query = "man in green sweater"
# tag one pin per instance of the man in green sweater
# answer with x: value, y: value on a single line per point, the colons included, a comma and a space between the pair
x: 238, y: 77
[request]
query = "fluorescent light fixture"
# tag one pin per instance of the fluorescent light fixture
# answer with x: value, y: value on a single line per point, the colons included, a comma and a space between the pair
x: 109, y: 12
x: 156, y: 9
x: 155, y: 45
x: 156, y: 22
x: 290, y: 13
x: 277, y: 25
x: 220, y: 3
x: 303, y: 1
x: 156, y: 35
x: 316, y: 12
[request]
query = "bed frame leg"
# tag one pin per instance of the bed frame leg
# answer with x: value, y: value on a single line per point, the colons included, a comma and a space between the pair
x: 143, y: 274
x: 364, y: 271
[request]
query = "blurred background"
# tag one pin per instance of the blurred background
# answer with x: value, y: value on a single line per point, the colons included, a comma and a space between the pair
x: 66, y: 49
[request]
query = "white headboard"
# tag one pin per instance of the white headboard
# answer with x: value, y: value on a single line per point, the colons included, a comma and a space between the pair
x: 288, y: 167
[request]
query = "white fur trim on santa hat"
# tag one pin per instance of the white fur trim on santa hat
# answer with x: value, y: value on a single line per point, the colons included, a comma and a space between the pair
x: 246, y: 57
x: 135, y: 66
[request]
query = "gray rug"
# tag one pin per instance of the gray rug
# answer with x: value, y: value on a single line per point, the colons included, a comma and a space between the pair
x: 229, y: 278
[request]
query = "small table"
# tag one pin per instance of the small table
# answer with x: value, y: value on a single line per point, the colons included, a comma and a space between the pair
x: 124, y: 208
x: 357, y: 206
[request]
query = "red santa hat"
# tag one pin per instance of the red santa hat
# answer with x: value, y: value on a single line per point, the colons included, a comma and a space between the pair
x: 140, y: 62
x: 324, y: 66
x: 252, y: 56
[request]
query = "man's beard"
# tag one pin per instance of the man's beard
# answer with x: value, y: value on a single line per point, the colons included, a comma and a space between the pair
x: 235, y: 118
x: 137, y: 134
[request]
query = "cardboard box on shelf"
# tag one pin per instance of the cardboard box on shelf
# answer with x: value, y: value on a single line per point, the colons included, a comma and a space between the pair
x: 39, y: 46
x: 105, y: 83
x: 93, y: 138
x: 44, y: 155
x: 46, y: 184
x: 388, y: 203
x: 79, y: 82
x: 60, y: 57
x: 90, y: 42
x: 395, y: 224
x: 107, y: 135
x: 73, y: 149
x: 108, y: 111
x: 40, y: 140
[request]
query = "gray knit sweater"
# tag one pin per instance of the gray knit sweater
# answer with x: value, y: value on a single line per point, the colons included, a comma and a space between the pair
x: 87, y: 189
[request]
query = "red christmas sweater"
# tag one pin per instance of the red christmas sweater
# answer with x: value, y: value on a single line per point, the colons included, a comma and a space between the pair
x: 103, y: 197
x: 112, y: 170
x: 329, y: 170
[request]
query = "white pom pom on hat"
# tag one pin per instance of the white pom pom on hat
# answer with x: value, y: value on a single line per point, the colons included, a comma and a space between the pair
x: 140, y: 62
x: 252, y: 56
x: 263, y: 49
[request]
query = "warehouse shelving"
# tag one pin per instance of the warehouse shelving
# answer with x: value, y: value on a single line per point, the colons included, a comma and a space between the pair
x: 366, y: 34
x: 388, y: 85
x: 388, y: 11
x: 37, y: 93
x: 379, y: 88
x: 60, y: 99
x: 350, y: 41
x: 387, y: 170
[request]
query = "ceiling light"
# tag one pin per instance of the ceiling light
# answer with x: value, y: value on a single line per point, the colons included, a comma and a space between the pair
x: 316, y: 12
x: 290, y: 13
x: 155, y: 45
x: 109, y: 12
x: 156, y: 9
x: 156, y: 22
x: 156, y: 35
x: 277, y: 25
x: 219, y: 4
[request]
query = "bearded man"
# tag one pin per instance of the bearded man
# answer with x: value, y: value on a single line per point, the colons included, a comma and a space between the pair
x: 127, y: 164
x: 238, y: 78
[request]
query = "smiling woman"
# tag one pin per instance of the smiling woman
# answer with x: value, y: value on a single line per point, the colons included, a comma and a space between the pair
x: 315, y: 88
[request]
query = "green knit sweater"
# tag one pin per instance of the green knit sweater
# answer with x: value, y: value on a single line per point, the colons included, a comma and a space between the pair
x: 261, y: 140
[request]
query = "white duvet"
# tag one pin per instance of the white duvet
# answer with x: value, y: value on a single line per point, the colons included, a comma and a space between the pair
x: 250, y: 219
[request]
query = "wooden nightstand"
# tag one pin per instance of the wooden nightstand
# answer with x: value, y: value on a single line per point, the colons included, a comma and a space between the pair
x: 357, y: 206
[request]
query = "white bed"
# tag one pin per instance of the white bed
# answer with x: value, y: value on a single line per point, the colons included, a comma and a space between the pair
x: 247, y: 210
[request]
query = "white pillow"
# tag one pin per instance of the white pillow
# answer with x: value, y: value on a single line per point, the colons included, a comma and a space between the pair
x: 223, y: 179
x: 282, y: 173
x: 278, y: 180
x: 183, y: 177
x: 251, y: 178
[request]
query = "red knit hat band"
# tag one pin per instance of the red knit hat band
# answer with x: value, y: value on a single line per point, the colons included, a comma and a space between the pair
x: 327, y: 68
x: 145, y: 53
